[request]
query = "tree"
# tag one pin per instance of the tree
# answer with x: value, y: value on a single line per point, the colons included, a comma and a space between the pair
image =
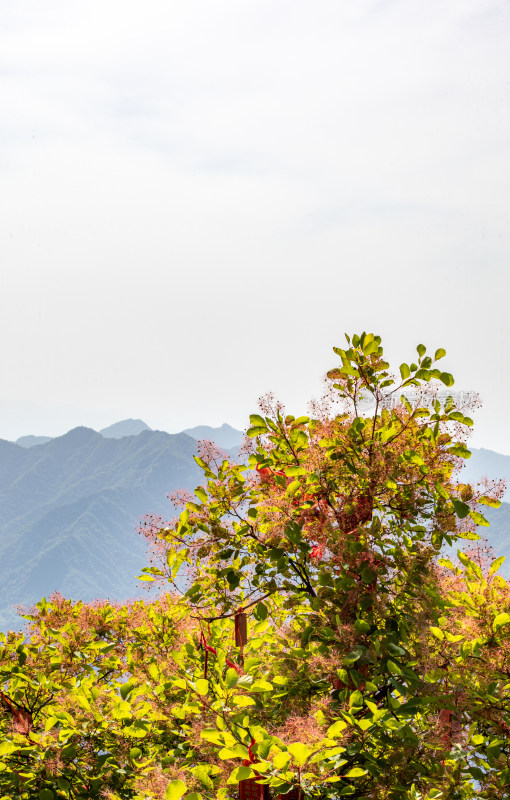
x: 371, y: 667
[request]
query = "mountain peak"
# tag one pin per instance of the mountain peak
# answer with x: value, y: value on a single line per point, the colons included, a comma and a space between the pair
x: 78, y: 434
x: 126, y: 427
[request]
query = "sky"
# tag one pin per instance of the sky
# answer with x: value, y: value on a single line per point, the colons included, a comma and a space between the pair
x: 197, y: 200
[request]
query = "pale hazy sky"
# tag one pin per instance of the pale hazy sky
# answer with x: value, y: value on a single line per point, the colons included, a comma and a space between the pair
x: 199, y: 197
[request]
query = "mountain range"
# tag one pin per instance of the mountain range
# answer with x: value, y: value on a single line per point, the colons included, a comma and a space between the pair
x: 70, y: 507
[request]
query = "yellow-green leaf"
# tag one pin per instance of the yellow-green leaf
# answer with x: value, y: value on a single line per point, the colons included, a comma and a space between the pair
x: 175, y: 790
x: 261, y: 686
x: 243, y: 700
x: 281, y: 760
x: 356, y: 772
x: 299, y: 752
x: 241, y: 774
x: 202, y: 686
x: 489, y: 501
x: 201, y: 494
x: 336, y: 728
x: 479, y: 519
x: 496, y: 565
x: 226, y: 752
x: 500, y: 620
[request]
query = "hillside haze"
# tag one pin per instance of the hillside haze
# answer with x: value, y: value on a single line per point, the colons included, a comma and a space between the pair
x: 69, y: 509
x: 487, y: 464
x: 225, y: 436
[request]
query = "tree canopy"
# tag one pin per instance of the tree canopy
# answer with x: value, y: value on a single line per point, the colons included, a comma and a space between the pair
x: 314, y: 639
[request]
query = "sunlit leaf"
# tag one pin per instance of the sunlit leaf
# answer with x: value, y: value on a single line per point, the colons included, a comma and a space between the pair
x: 175, y: 790
x: 500, y: 620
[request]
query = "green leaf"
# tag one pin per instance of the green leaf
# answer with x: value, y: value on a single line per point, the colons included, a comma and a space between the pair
x: 201, y: 494
x: 356, y: 699
x: 461, y: 509
x: 292, y: 488
x: 500, y: 620
x: 202, y: 686
x: 292, y: 471
x: 235, y: 751
x: 446, y: 378
x: 368, y: 575
x: 438, y: 633
x: 346, y: 369
x: 234, y: 579
x: 46, y: 794
x: 175, y: 790
x: 423, y: 375
x: 371, y: 348
x: 258, y: 421
x: 440, y: 353
x: 256, y: 430
x: 203, y: 773
x: 356, y: 772
x: 6, y: 748
x: 126, y: 688
x: 460, y: 450
x: 261, y: 611
x: 231, y: 678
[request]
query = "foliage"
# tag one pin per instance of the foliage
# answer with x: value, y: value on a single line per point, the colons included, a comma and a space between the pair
x: 371, y: 668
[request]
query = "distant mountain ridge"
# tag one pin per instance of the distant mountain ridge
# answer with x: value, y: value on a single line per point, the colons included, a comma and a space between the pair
x: 70, y: 506
x: 32, y: 441
x: 225, y: 436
